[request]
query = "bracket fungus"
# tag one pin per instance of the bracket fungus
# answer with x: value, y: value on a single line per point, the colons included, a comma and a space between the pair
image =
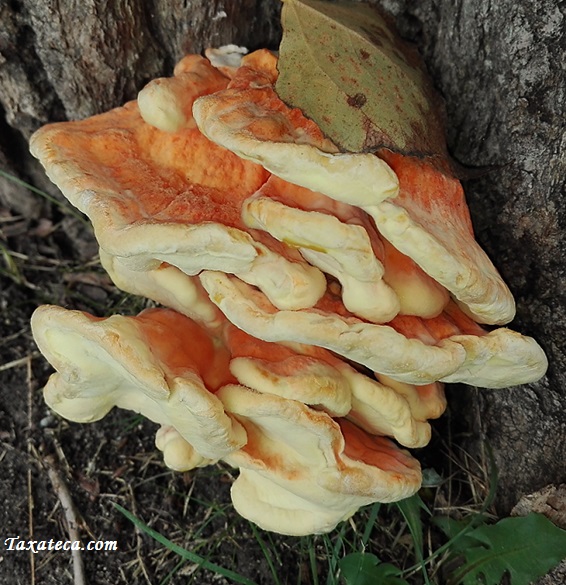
x: 159, y: 364
x: 314, y: 300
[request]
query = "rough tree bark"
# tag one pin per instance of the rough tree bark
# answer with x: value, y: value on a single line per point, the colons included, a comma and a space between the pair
x: 498, y: 67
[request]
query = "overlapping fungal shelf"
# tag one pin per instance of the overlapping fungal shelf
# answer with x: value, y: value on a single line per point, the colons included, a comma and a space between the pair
x: 313, y: 301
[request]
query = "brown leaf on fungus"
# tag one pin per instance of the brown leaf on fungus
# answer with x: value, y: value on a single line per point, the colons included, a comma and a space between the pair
x: 361, y: 83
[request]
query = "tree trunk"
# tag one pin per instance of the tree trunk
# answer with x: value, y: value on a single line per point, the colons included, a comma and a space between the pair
x: 497, y: 65
x: 498, y: 68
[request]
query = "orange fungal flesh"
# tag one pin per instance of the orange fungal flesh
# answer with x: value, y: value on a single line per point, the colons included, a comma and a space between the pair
x: 373, y: 450
x: 253, y: 86
x: 433, y: 197
x: 181, y: 343
x: 452, y: 321
x: 419, y: 294
x: 170, y: 176
x: 289, y: 124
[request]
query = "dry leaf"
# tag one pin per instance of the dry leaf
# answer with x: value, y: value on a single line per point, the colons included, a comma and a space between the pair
x: 344, y: 65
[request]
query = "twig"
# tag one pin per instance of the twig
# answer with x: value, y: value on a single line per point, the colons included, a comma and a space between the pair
x: 19, y: 362
x: 29, y: 446
x: 70, y: 516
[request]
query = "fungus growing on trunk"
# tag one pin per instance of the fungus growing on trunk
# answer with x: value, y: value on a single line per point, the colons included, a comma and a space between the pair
x: 418, y: 209
x: 317, y: 299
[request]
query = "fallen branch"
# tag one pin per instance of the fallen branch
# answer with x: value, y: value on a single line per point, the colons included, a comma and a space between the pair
x: 71, y: 519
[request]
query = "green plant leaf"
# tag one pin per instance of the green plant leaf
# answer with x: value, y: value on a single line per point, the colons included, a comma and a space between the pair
x: 370, y: 522
x: 343, y: 64
x: 526, y: 548
x: 457, y: 530
x: 431, y: 478
x: 367, y: 569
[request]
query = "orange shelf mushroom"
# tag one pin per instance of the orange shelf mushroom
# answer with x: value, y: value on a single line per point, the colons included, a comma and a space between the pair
x: 159, y: 364
x: 419, y: 210
x: 284, y: 425
x: 174, y: 198
x: 302, y: 472
x: 316, y: 300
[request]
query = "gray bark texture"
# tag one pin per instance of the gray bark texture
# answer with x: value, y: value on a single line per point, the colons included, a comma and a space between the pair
x: 498, y: 65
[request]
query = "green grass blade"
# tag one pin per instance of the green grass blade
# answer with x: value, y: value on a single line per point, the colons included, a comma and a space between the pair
x: 493, y: 480
x: 411, y: 508
x: 312, y: 562
x: 457, y: 531
x: 12, y: 271
x: 266, y: 554
x: 188, y: 555
x: 167, y: 579
x: 333, y: 553
x: 68, y: 209
x: 372, y: 518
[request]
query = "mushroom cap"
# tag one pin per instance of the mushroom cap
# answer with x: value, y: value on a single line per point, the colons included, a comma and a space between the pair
x: 166, y: 103
x: 159, y: 364
x: 395, y: 409
x: 377, y: 408
x: 343, y: 250
x: 377, y: 281
x: 301, y: 472
x: 497, y: 359
x: 208, y: 357
x: 250, y: 120
x: 166, y: 285
x: 158, y: 196
x: 302, y: 378
x: 280, y: 430
x: 429, y: 221
x: 178, y: 455
x: 317, y: 378
x: 420, y: 210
